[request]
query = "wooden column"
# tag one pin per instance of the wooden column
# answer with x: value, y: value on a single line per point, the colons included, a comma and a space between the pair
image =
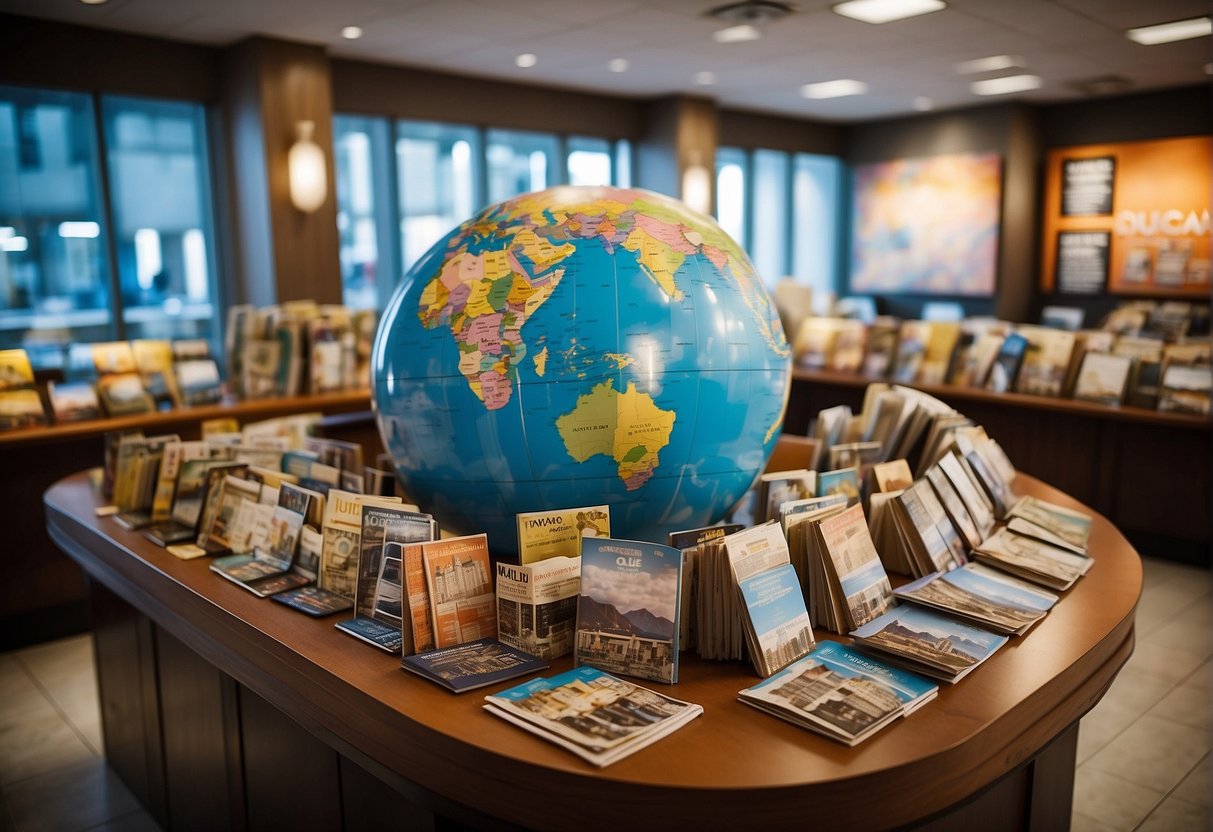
x: 282, y: 253
x: 680, y: 136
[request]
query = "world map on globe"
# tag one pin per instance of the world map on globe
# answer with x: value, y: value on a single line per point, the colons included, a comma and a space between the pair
x: 580, y: 346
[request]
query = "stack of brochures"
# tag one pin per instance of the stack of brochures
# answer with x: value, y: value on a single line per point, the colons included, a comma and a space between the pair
x: 597, y: 716
x: 984, y: 596
x: 840, y: 693
x: 472, y: 665
x: 928, y: 642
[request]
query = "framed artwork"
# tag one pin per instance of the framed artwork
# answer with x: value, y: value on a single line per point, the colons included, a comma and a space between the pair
x: 927, y: 226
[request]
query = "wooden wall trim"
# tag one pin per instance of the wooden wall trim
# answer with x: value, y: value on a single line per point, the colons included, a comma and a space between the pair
x: 746, y: 129
x: 407, y: 92
x: 45, y: 54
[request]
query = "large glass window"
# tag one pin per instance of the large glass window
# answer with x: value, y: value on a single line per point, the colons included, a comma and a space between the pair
x: 519, y: 162
x: 160, y: 195
x: 589, y: 161
x: 816, y: 193
x: 731, y: 197
x: 54, y: 280
x: 359, y: 147
x: 437, y: 179
x: 772, y: 215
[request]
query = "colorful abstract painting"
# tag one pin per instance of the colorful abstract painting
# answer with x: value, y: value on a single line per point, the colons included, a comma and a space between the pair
x: 927, y: 226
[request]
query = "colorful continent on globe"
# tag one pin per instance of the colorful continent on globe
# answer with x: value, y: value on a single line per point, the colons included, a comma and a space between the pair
x: 629, y: 427
x: 486, y: 297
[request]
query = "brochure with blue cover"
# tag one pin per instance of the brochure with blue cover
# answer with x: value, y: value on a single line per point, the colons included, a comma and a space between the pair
x: 472, y: 665
x: 840, y: 693
x: 778, y: 619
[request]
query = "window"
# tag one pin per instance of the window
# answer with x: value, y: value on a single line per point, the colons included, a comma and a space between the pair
x: 359, y: 147
x: 519, y: 162
x: 589, y: 161
x: 160, y: 196
x: 772, y: 217
x: 54, y: 275
x: 731, y: 197
x: 437, y: 182
x: 816, y: 195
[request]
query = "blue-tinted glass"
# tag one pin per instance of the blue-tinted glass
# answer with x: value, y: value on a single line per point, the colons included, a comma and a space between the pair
x: 520, y: 162
x: 731, y: 205
x: 359, y: 145
x: 54, y: 282
x: 159, y: 180
x: 437, y: 166
x: 816, y: 191
x: 771, y: 212
x: 623, y: 163
x: 589, y: 161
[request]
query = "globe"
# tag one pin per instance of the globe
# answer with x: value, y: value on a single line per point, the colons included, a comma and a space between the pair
x: 581, y: 346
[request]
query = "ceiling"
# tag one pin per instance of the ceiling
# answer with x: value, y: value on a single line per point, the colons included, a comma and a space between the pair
x: 1068, y: 43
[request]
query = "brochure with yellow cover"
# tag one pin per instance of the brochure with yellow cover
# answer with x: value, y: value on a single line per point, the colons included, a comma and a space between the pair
x: 558, y: 533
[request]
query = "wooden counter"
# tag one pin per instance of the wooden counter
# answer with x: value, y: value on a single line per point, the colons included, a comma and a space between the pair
x: 998, y: 748
x: 43, y: 594
x: 1147, y: 471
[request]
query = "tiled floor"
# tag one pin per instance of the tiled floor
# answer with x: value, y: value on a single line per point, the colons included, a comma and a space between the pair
x: 1143, y: 753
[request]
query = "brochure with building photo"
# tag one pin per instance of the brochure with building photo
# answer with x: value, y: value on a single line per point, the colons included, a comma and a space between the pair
x: 1103, y: 378
x: 537, y: 605
x: 984, y: 596
x: 778, y: 627
x: 628, y: 608
x: 929, y: 642
x: 1032, y: 560
x: 459, y: 576
x: 558, y: 533
x: 1046, y: 360
x: 73, y: 401
x: 840, y: 693
x: 1073, y: 527
x: 475, y: 664
x: 1186, y: 389
x: 855, y: 566
x: 593, y: 714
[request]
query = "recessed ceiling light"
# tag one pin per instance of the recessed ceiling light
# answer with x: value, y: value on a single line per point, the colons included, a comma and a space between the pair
x: 886, y: 11
x: 922, y: 104
x: 990, y: 64
x: 1196, y: 27
x: 351, y: 32
x: 618, y: 65
x: 834, y: 89
x: 1006, y: 85
x: 737, y: 34
x: 93, y: 2
x: 705, y: 78
x: 526, y: 60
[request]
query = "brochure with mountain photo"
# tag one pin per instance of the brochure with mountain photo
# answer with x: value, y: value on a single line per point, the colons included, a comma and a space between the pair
x: 628, y: 609
x: 929, y: 642
x: 985, y: 596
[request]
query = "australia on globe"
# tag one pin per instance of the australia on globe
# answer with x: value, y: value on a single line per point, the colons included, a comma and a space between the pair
x: 580, y: 346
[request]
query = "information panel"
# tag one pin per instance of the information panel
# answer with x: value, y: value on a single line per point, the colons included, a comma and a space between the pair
x: 1082, y: 262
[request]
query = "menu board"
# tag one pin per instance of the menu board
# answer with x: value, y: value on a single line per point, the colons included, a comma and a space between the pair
x: 1082, y: 262
x: 1132, y: 216
x: 1086, y: 186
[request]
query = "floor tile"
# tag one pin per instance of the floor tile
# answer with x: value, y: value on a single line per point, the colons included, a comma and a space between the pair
x: 38, y: 746
x: 1167, y: 664
x: 1201, y: 677
x: 1175, y: 815
x: 76, y: 797
x: 1188, y: 705
x: 1115, y: 805
x: 1084, y: 823
x: 1137, y: 690
x: 1102, y: 725
x: 1197, y: 787
x: 1153, y: 752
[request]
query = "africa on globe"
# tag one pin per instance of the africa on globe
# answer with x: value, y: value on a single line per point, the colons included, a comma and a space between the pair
x: 580, y: 346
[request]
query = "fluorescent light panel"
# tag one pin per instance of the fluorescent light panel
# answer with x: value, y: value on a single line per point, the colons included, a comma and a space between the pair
x: 834, y: 89
x: 618, y: 65
x: 351, y: 32
x: 886, y: 11
x: 526, y: 60
x: 991, y: 64
x: 1195, y: 27
x: 705, y: 78
x: 737, y: 34
x: 1006, y: 85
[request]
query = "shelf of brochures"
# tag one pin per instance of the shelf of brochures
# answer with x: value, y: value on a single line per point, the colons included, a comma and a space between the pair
x: 1013, y: 718
x: 1025, y: 400
x: 168, y: 420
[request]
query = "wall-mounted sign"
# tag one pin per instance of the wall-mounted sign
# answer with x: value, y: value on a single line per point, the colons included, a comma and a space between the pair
x: 1086, y: 186
x: 1082, y: 262
x: 1150, y: 200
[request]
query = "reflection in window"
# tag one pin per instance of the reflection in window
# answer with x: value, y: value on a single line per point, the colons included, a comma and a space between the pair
x: 357, y: 148
x: 54, y: 282
x: 731, y: 193
x: 437, y: 182
x: 520, y: 162
x: 589, y: 161
x: 816, y: 189
x: 772, y: 215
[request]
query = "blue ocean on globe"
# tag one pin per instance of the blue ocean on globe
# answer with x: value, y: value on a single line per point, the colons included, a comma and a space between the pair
x: 581, y: 346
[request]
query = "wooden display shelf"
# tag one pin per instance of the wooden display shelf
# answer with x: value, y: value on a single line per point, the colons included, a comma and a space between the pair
x: 1147, y: 471
x: 998, y: 747
x: 166, y: 421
